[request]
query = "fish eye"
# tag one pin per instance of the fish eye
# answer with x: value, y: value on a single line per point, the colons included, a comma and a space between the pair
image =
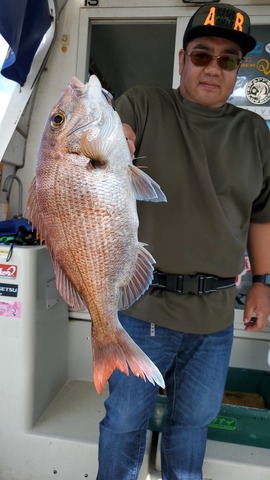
x: 57, y: 119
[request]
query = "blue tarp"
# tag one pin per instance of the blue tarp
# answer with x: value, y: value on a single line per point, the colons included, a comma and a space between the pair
x: 23, y: 24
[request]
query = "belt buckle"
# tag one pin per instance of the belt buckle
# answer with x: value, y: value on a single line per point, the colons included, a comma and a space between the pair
x: 193, y: 284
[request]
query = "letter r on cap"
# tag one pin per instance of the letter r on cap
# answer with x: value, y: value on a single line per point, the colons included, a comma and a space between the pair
x: 238, y: 24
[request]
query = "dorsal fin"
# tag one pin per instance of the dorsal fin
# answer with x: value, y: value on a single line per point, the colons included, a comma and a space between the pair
x: 32, y: 212
x: 141, y: 279
x: 66, y: 289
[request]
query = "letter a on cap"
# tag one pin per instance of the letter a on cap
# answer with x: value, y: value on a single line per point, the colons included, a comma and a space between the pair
x: 238, y: 24
x: 210, y: 19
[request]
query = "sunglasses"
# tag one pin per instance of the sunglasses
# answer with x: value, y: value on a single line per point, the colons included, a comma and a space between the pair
x: 226, y: 62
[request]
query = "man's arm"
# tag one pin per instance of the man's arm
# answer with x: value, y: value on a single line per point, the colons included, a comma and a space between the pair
x: 257, y: 309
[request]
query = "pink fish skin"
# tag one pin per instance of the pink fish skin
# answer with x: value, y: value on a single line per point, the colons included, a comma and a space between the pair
x: 83, y: 204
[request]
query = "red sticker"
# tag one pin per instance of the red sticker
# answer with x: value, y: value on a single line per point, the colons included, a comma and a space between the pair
x: 8, y: 271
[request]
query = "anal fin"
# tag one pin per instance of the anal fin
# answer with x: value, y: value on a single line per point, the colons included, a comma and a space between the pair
x: 140, y: 281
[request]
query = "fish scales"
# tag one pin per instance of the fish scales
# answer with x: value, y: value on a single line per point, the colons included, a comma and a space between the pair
x: 83, y: 204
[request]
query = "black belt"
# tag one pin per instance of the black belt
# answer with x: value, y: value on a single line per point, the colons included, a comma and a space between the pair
x: 198, y: 284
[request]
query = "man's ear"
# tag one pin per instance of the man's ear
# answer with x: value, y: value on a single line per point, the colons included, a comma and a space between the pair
x: 181, y: 58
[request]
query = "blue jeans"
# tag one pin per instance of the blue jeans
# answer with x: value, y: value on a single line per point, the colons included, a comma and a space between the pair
x: 194, y: 368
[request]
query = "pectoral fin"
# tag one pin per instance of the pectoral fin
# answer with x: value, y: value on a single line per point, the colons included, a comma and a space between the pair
x: 97, y: 150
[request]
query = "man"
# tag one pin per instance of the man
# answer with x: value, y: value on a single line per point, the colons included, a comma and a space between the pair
x: 212, y: 161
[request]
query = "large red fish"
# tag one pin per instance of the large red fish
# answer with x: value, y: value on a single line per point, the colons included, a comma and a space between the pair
x: 83, y: 204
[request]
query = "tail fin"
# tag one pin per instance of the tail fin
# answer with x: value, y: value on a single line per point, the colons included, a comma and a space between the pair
x: 121, y: 352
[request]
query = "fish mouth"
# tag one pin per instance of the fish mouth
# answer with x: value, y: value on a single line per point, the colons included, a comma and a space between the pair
x: 85, y: 90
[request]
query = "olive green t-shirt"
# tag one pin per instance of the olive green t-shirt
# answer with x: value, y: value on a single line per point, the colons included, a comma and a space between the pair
x: 213, y: 164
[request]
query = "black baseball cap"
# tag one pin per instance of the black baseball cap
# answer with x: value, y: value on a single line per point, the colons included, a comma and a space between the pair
x: 222, y: 20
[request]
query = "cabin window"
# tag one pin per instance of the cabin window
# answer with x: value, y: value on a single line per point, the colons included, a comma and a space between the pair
x: 128, y: 54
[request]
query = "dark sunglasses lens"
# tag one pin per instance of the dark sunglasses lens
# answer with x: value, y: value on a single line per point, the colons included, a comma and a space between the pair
x: 201, y: 59
x: 228, y: 62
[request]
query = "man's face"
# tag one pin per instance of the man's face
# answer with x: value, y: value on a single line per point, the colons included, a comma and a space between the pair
x: 209, y: 86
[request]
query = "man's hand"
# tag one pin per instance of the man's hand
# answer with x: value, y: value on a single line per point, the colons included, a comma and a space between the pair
x: 257, y: 309
x: 131, y: 137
